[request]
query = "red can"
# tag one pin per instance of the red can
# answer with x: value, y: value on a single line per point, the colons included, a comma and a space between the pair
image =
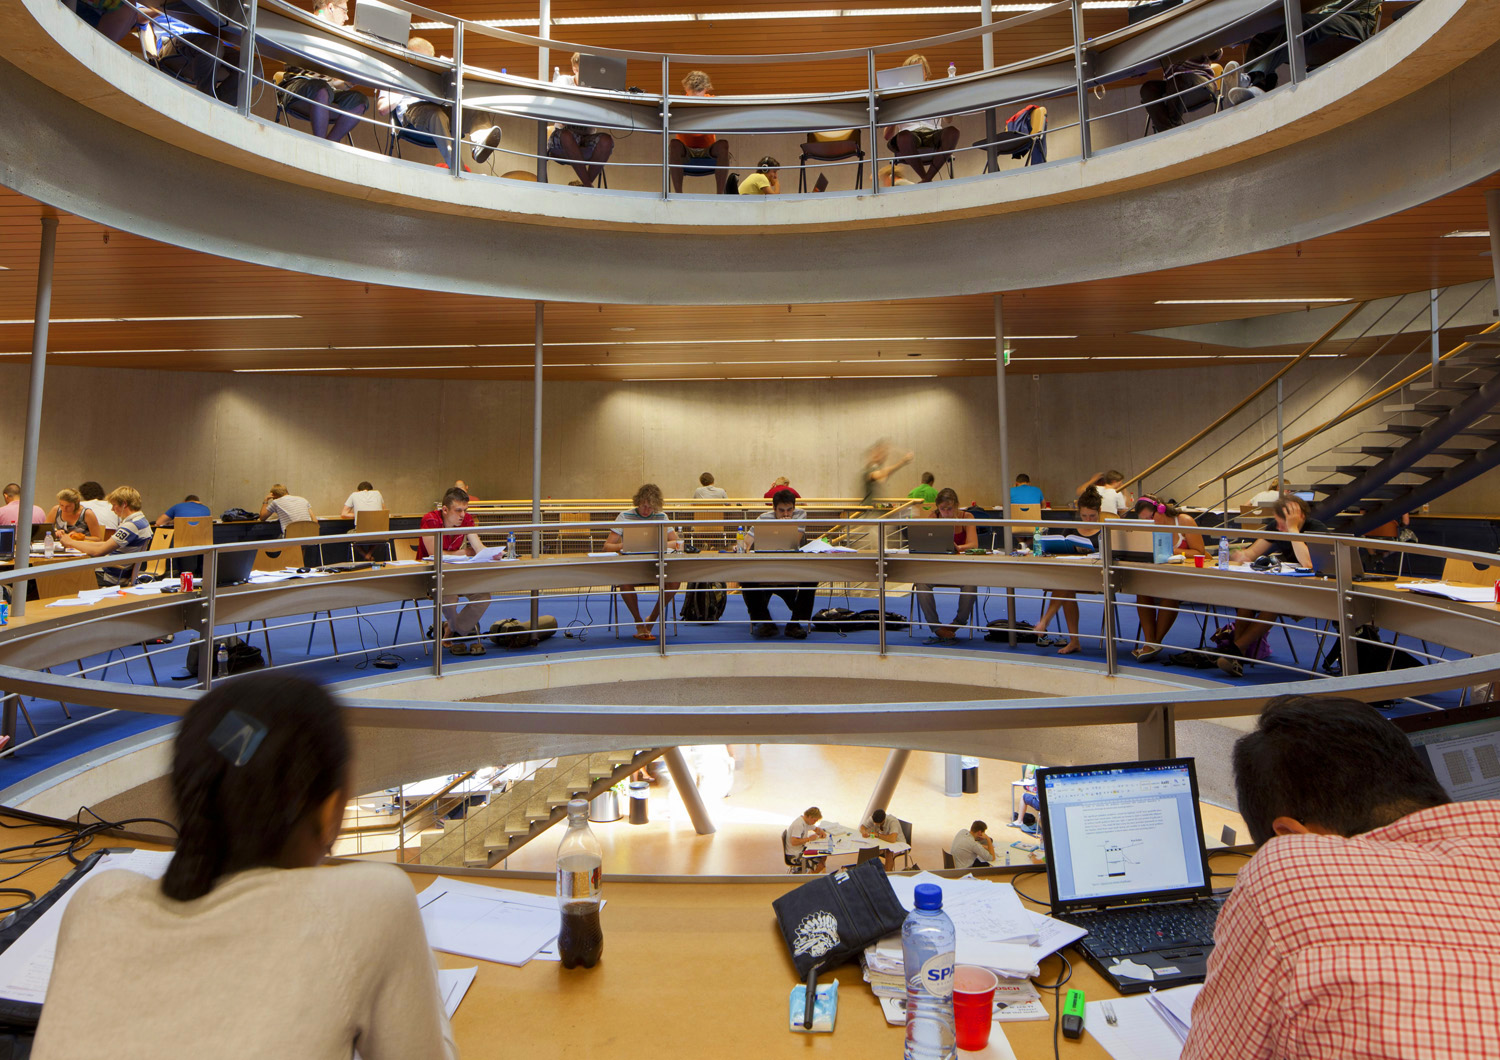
x: 1497, y: 592
x: 187, y: 581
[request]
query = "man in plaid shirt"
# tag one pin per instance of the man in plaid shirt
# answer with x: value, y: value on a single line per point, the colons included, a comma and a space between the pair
x: 1368, y: 925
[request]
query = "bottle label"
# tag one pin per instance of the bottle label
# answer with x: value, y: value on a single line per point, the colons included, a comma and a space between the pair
x: 579, y: 884
x: 936, y: 976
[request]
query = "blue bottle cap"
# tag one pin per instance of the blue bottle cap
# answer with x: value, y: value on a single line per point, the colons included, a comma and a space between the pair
x: 929, y: 896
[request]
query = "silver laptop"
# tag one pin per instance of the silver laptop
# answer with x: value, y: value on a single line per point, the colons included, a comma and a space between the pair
x: 899, y: 76
x: 643, y: 537
x: 601, y: 71
x: 1461, y: 746
x: 929, y: 539
x: 776, y: 536
x: 382, y: 20
x: 1143, y: 546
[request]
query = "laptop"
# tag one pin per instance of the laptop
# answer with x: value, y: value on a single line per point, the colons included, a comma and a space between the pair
x: 1460, y: 746
x: 783, y: 535
x: 899, y: 76
x: 1141, y: 546
x: 929, y: 539
x: 235, y: 567
x: 1126, y: 861
x: 388, y: 23
x: 601, y: 71
x: 1321, y: 555
x: 641, y: 537
x: 7, y: 540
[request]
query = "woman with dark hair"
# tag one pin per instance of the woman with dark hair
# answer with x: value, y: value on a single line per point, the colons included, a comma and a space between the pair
x: 1089, y: 504
x: 1156, y: 614
x: 964, y: 538
x: 246, y: 947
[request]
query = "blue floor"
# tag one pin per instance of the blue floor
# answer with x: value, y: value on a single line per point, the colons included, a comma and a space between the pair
x: 582, y: 623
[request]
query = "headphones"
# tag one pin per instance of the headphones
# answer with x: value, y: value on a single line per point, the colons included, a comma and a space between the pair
x: 1161, y: 509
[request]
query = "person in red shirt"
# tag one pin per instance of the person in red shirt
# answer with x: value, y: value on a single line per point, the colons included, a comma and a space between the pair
x: 780, y: 484
x: 461, y: 637
x: 1365, y: 926
x: 698, y: 151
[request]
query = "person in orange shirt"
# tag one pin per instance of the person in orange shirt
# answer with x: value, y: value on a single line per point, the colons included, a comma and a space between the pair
x: 698, y: 150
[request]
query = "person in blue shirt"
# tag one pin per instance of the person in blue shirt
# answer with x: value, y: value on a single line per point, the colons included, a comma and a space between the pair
x: 190, y: 507
x: 1023, y: 492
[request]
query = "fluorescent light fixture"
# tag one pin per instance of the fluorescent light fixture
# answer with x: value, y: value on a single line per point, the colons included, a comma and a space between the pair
x: 1244, y: 301
x: 1469, y: 233
x: 770, y: 15
x: 159, y: 320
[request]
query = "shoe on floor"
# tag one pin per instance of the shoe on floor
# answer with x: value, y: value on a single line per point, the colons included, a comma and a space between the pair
x: 485, y: 145
x: 764, y: 630
x: 476, y: 647
x: 796, y: 630
x: 1236, y: 96
x: 457, y: 647
x: 1232, y: 667
x: 945, y: 642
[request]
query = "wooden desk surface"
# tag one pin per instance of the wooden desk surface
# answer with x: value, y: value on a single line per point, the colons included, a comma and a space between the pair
x: 689, y: 969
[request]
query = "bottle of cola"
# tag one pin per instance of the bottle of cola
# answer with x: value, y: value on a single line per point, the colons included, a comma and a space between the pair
x: 580, y: 867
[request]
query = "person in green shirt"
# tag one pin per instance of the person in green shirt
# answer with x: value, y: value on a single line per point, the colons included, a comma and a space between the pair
x: 926, y: 492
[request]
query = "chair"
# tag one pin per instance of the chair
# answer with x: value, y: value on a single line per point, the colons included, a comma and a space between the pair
x: 406, y: 549
x: 832, y: 151
x: 161, y: 538
x: 371, y: 522
x: 63, y: 583
x: 583, y: 534
x: 192, y: 531
x: 792, y: 861
x: 906, y: 838
x: 1463, y: 572
x: 715, y: 534
x: 1195, y: 94
x: 1030, y: 144
x: 948, y: 860
x: 284, y: 116
x: 308, y: 528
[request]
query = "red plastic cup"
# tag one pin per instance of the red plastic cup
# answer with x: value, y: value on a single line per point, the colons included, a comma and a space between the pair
x: 973, y: 1005
x: 1198, y: 562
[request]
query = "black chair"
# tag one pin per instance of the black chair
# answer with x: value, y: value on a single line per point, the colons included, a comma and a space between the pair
x: 793, y: 862
x: 948, y: 860
x: 832, y: 151
x: 906, y: 838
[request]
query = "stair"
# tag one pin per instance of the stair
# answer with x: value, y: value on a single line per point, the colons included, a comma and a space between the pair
x: 530, y: 806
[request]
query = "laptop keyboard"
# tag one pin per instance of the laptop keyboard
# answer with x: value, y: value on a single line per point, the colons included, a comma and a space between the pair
x: 1118, y: 932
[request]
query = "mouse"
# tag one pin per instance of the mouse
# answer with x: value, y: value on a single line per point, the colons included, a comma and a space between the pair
x: 303, y: 570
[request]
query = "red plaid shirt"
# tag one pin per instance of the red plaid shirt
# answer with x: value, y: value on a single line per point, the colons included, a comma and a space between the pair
x: 1382, y: 945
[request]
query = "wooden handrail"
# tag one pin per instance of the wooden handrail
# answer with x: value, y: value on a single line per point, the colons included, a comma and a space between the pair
x: 1353, y: 410
x: 1257, y: 392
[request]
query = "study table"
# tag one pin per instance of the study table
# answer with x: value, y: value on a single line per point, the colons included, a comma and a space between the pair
x: 691, y: 968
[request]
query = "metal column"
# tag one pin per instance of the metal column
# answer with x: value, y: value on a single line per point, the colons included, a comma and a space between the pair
x: 1004, y: 429
x: 543, y: 60
x: 1080, y: 66
x: 885, y: 787
x: 41, y: 318
x: 687, y: 787
x: 1432, y: 326
x: 1492, y: 207
x: 1280, y: 448
x: 987, y: 59
x: 536, y: 457
x: 953, y: 776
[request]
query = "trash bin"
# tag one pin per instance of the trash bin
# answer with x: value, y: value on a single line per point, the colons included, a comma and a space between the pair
x: 605, y: 806
x: 970, y: 775
x: 640, y: 808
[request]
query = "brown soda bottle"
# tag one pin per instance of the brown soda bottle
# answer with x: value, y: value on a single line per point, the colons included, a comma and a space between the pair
x: 580, y: 867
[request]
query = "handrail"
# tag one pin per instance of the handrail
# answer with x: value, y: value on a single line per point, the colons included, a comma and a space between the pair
x: 1348, y: 413
x: 367, y: 829
x: 1257, y: 392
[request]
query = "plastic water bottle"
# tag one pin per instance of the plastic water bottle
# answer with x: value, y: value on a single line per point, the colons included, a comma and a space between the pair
x: 739, y: 539
x: 952, y: 69
x: 927, y: 955
x: 510, y: 545
x: 49, y: 545
x: 221, y: 661
x: 1036, y: 541
x: 1223, y: 553
x: 580, y: 868
x: 556, y: 72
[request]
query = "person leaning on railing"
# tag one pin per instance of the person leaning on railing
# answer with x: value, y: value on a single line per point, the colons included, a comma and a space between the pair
x: 1292, y: 517
x: 247, y: 946
x: 698, y: 150
x: 921, y: 145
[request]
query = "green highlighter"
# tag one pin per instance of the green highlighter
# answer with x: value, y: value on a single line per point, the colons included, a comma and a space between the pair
x: 1072, y: 1015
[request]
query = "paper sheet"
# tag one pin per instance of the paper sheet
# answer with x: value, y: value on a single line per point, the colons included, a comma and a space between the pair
x: 1139, y: 1034
x: 819, y: 545
x: 1469, y: 594
x: 1175, y: 1007
x: 453, y: 984
x: 26, y: 966
x: 484, y: 555
x: 490, y: 923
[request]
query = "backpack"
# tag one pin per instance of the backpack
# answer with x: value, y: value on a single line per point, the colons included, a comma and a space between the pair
x: 514, y: 633
x: 238, y: 515
x: 999, y: 630
x: 869, y: 621
x: 1372, y: 658
x: 242, y: 657
x: 704, y: 602
x: 834, y: 620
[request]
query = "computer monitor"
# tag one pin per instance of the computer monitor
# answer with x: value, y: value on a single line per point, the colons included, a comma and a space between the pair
x: 7, y: 540
x: 1460, y: 746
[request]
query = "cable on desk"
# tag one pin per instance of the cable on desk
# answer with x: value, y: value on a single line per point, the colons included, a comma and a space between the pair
x: 1056, y: 989
x: 1034, y: 901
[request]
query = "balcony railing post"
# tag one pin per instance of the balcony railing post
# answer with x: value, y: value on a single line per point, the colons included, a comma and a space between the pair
x: 457, y: 163
x: 666, y: 129
x: 437, y: 603
x: 247, y: 60
x: 874, y: 127
x: 1296, y: 54
x: 1348, y: 649
x: 1085, y: 149
x: 206, y: 628
x: 1107, y: 626
x: 661, y: 589
x: 880, y: 581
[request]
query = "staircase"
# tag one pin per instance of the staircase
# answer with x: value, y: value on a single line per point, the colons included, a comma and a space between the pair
x: 1443, y: 432
x: 526, y: 809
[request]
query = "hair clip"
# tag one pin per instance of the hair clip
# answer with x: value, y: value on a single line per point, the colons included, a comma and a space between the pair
x: 237, y: 737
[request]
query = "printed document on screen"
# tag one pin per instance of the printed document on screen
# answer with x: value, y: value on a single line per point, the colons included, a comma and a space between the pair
x: 1126, y: 847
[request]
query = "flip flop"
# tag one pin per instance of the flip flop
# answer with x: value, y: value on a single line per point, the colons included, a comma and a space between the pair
x: 644, y: 636
x: 1044, y: 641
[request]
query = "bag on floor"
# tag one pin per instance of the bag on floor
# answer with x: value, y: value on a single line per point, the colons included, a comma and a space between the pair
x: 242, y: 657
x: 1223, y: 639
x: 704, y: 602
x: 834, y: 620
x: 514, y: 633
x: 1373, y: 658
x: 869, y: 621
x: 999, y: 630
x: 1193, y: 660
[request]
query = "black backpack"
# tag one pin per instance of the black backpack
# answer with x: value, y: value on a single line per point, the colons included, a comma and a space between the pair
x: 242, y: 657
x: 1373, y: 658
x: 704, y: 602
x: 834, y: 620
x: 999, y: 630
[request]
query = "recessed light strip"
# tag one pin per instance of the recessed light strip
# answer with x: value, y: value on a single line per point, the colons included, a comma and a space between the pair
x: 1469, y: 233
x: 1245, y: 301
x: 775, y: 15
x: 158, y: 320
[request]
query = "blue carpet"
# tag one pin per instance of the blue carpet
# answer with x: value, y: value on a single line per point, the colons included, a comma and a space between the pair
x: 582, y: 623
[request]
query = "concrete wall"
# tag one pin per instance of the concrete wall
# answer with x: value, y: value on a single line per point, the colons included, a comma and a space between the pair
x: 228, y: 437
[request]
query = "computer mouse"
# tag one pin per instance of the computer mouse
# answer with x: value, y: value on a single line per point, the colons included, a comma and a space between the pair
x: 303, y: 570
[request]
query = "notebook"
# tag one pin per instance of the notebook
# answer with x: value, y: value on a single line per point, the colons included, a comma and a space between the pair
x: 1461, y: 746
x: 1126, y: 861
x: 897, y: 76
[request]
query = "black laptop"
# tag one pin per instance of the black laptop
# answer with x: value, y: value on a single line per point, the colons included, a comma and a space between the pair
x: 235, y: 567
x: 1461, y: 746
x: 1125, y: 860
x: 601, y: 71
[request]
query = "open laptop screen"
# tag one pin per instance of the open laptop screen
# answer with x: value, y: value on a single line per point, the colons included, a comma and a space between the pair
x: 1461, y: 747
x: 1123, y: 831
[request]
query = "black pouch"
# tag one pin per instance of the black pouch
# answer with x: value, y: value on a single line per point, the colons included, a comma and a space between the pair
x: 829, y: 920
x: 833, y: 620
x: 866, y: 621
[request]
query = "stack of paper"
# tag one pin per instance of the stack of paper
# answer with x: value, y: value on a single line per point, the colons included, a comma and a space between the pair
x: 1015, y: 1000
x: 1469, y: 594
x: 1147, y: 1026
x: 1175, y: 1007
x: 819, y: 545
x: 490, y: 923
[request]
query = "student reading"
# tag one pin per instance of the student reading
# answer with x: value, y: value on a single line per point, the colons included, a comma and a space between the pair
x: 247, y: 947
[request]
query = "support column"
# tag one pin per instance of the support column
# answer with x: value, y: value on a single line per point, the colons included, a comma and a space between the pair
x: 1003, y: 419
x: 885, y: 787
x: 1492, y: 208
x: 41, y: 318
x: 1280, y: 447
x: 536, y: 452
x: 687, y: 787
x: 1432, y: 326
x: 953, y: 776
x: 987, y: 58
x: 544, y: 75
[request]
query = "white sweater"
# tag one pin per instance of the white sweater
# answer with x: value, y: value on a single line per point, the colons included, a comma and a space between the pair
x: 273, y: 963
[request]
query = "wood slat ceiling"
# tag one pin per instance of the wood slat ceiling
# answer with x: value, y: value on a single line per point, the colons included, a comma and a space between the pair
x: 342, y: 324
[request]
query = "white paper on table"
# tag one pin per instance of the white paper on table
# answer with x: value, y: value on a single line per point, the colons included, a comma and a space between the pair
x: 1469, y: 594
x: 149, y: 589
x: 1139, y: 1032
x: 817, y: 544
x: 72, y: 601
x: 263, y: 576
x: 983, y: 910
x: 1175, y: 1007
x: 603, y: 555
x: 453, y: 984
x: 403, y: 563
x: 26, y: 965
x: 1052, y: 935
x: 484, y: 555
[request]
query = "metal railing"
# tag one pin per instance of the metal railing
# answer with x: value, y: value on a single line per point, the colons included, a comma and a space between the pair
x: 1085, y: 66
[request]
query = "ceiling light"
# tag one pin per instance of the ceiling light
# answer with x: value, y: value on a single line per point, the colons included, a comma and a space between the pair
x: 776, y: 15
x: 159, y: 320
x: 1469, y: 233
x: 1243, y: 301
x: 622, y: 329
